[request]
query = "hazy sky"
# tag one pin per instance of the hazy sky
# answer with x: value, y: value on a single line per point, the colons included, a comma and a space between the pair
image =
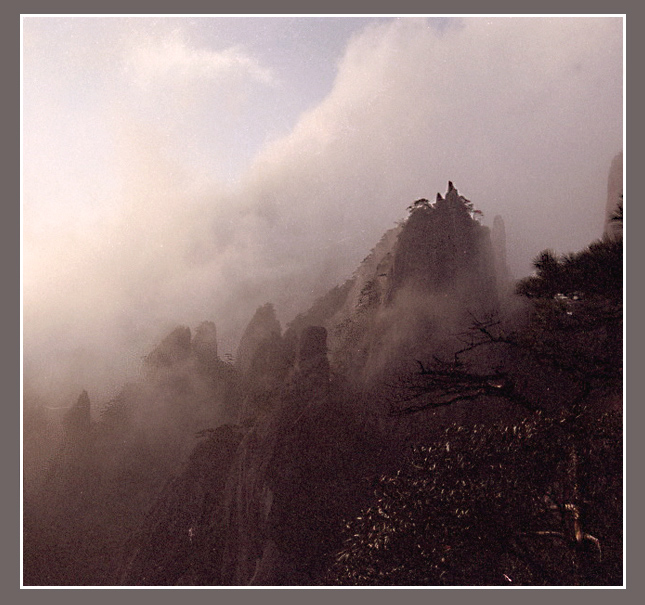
x: 185, y: 169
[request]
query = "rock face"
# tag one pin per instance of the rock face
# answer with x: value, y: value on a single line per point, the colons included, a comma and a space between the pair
x: 265, y: 480
x: 173, y: 349
x: 263, y: 326
x: 297, y: 474
x: 181, y: 541
x: 614, y: 197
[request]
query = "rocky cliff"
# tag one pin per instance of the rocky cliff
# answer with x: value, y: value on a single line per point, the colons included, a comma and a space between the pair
x: 419, y: 287
x: 310, y: 435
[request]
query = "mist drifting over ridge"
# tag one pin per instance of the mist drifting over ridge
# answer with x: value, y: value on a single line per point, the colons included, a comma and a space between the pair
x: 158, y: 190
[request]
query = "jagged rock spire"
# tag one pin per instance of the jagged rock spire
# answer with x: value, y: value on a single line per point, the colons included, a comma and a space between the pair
x: 263, y: 326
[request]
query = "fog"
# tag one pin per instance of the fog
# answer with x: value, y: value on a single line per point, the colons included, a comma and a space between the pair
x: 183, y: 170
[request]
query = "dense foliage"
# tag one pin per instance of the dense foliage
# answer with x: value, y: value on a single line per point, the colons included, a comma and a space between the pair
x: 494, y: 505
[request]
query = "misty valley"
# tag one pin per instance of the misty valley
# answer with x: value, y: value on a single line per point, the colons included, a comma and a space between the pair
x: 431, y: 421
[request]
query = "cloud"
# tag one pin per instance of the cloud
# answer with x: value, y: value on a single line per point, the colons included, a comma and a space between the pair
x: 524, y: 115
x: 174, y: 60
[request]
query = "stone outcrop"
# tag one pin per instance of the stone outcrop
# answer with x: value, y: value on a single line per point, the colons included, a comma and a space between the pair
x: 262, y: 364
x: 614, y: 197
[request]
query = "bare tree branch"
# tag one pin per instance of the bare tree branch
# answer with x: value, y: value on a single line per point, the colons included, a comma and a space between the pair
x: 443, y: 383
